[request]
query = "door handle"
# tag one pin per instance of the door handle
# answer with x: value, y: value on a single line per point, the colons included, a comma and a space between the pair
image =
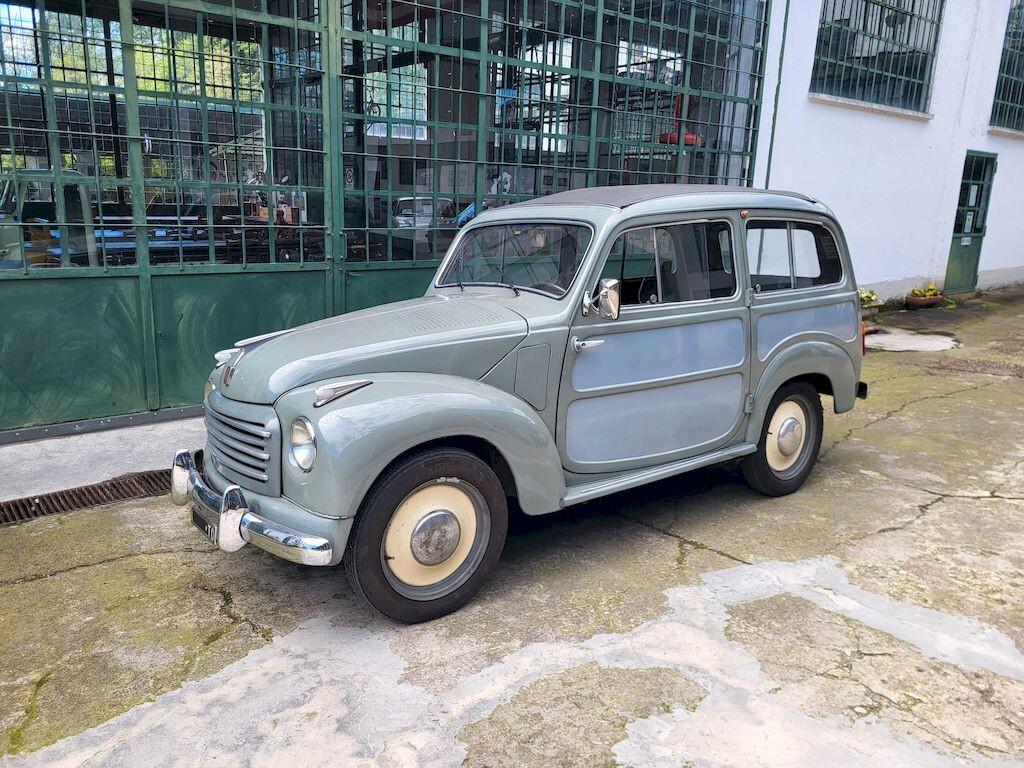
x: 579, y: 346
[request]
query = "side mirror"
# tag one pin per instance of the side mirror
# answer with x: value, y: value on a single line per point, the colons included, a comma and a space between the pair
x: 609, y: 299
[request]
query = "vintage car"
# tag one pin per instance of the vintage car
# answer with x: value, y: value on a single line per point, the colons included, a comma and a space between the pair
x: 568, y: 347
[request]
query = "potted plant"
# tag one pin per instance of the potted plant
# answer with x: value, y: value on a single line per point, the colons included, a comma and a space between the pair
x: 922, y: 298
x: 869, y: 303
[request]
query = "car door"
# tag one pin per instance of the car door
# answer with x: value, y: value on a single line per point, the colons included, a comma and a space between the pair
x: 668, y: 378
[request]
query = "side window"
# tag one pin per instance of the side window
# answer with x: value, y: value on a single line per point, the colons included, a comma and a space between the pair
x: 813, y: 261
x: 816, y: 258
x: 768, y: 255
x: 633, y: 261
x: 673, y: 263
x: 701, y: 263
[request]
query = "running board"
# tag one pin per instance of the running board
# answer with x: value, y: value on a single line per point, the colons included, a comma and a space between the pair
x: 589, y: 491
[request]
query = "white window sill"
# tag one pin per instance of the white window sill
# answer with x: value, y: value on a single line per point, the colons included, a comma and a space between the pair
x: 1006, y: 133
x: 867, y: 106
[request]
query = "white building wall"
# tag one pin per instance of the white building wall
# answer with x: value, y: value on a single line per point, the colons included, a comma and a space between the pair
x: 893, y: 177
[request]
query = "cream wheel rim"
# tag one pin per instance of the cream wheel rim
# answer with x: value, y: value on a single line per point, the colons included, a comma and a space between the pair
x: 445, y: 496
x: 787, y: 434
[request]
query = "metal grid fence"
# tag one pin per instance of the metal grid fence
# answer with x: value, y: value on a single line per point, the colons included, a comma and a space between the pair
x: 179, y: 174
x: 195, y: 133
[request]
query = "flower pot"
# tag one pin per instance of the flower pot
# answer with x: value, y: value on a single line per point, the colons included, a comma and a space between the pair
x: 868, y: 311
x: 924, y: 302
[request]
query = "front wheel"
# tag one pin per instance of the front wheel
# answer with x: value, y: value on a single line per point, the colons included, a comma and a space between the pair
x: 428, y: 535
x: 790, y: 441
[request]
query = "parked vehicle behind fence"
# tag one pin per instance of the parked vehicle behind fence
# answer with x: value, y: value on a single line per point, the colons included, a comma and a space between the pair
x: 569, y: 347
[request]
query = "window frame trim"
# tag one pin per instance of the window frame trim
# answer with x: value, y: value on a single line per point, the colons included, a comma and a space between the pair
x: 844, y: 280
x: 634, y: 308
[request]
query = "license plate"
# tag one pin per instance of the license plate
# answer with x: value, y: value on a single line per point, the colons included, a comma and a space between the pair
x: 208, y: 530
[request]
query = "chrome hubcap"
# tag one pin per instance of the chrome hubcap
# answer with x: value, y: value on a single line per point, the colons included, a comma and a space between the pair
x: 790, y: 437
x: 435, y: 537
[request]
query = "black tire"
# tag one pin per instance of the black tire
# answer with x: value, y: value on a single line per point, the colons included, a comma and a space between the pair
x: 365, y: 557
x: 757, y: 469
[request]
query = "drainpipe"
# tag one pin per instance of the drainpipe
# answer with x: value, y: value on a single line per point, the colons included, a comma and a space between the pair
x: 778, y: 88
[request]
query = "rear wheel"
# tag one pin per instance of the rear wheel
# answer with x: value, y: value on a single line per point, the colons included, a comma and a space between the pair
x: 790, y: 441
x: 428, y: 535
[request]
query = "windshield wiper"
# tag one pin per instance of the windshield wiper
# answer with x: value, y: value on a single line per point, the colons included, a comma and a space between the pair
x: 505, y: 281
x: 501, y: 267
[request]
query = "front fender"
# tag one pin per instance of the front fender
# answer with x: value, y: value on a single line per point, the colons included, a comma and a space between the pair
x: 804, y: 359
x: 359, y: 434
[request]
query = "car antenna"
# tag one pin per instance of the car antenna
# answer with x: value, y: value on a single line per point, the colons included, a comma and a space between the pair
x: 458, y: 274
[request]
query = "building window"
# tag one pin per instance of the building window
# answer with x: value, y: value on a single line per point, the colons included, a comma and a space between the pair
x: 878, y: 51
x: 1008, y: 106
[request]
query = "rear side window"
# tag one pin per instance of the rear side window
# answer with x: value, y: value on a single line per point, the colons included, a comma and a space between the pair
x: 815, y: 256
x: 785, y: 255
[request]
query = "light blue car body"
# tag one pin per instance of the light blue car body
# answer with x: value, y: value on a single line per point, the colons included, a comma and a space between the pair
x: 672, y: 387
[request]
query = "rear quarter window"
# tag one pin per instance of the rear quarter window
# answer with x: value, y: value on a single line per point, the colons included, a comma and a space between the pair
x: 785, y: 255
x: 816, y: 259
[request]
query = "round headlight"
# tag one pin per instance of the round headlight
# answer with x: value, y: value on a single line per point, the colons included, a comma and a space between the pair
x: 208, y: 388
x: 303, y: 443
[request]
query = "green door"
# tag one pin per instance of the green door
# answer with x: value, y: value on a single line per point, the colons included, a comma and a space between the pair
x: 969, y: 228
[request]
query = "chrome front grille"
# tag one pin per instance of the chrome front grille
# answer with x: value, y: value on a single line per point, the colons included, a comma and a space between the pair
x: 244, y: 442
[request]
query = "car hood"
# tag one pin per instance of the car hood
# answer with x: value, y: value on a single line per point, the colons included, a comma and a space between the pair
x: 459, y: 335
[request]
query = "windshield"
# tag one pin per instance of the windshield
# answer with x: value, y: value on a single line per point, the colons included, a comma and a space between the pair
x: 539, y: 257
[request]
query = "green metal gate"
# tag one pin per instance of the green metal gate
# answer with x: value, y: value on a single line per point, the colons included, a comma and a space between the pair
x: 970, y: 224
x: 179, y: 175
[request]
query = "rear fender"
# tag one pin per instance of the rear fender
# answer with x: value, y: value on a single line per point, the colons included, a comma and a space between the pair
x: 804, y: 359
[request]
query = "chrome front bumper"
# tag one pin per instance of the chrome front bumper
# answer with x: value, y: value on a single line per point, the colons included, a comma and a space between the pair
x: 226, y: 520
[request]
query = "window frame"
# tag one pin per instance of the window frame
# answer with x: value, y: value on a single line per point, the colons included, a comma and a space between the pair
x: 647, y: 308
x: 823, y: 222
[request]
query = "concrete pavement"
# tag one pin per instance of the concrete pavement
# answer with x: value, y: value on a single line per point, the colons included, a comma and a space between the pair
x: 874, y: 617
x: 59, y: 463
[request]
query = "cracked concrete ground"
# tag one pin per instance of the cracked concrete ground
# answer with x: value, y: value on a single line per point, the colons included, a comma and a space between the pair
x: 874, y: 617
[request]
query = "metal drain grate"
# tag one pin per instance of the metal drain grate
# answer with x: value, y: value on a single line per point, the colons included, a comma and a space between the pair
x: 137, y: 485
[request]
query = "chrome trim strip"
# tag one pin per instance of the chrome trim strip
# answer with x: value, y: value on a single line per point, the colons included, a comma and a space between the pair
x: 245, y: 427
x: 236, y: 466
x: 242, y: 437
x: 328, y: 393
x: 236, y: 444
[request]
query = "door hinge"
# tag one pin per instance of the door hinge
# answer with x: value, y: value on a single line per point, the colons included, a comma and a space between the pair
x: 748, y: 406
x: 749, y: 295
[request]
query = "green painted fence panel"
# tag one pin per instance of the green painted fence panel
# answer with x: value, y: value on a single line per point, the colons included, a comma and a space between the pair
x: 196, y: 315
x: 370, y: 287
x: 70, y: 349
